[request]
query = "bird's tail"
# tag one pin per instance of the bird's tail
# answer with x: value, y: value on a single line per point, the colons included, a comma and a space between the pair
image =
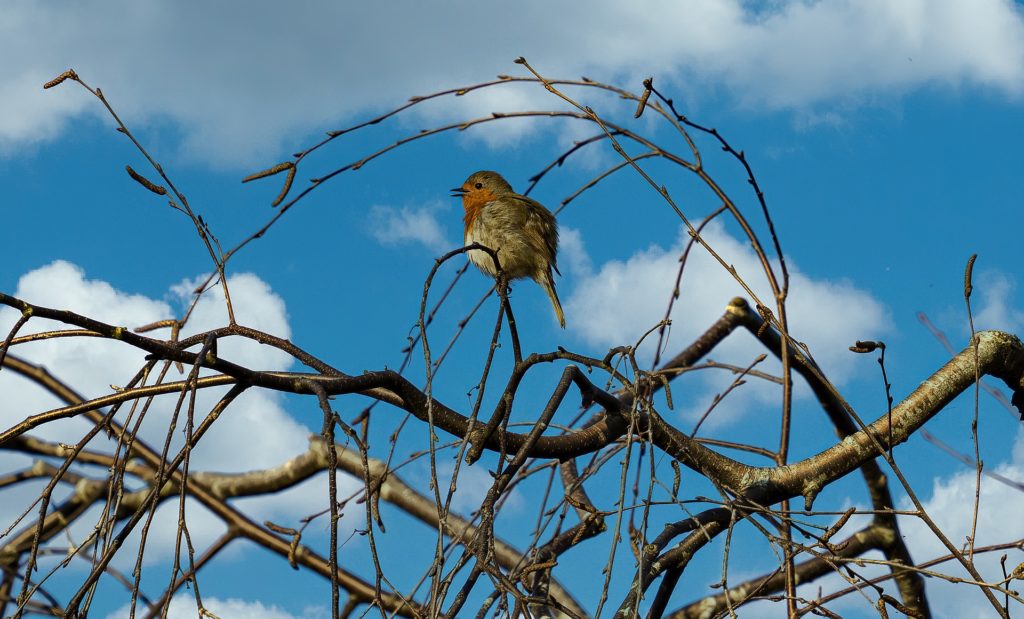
x: 547, y: 281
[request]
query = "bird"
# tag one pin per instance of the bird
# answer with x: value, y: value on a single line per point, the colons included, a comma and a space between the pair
x: 522, y: 232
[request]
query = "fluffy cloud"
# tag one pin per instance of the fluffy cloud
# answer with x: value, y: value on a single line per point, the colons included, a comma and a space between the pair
x: 950, y: 504
x: 951, y: 507
x: 993, y: 296
x: 183, y: 606
x: 316, y: 63
x: 620, y: 300
x: 392, y: 226
x: 471, y: 488
x: 255, y: 432
x: 572, y: 253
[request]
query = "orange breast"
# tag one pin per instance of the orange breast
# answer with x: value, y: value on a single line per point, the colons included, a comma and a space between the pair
x: 473, y: 203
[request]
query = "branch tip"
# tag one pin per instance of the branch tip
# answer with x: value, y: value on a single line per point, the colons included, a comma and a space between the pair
x: 67, y: 75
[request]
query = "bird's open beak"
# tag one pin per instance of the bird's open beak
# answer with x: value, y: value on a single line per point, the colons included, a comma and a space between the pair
x: 458, y: 192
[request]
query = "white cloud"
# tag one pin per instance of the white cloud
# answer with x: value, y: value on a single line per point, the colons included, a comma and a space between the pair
x: 951, y: 508
x: 471, y: 487
x: 183, y: 606
x: 254, y: 304
x: 993, y: 297
x: 950, y: 505
x: 62, y: 284
x: 88, y: 365
x: 393, y: 226
x: 307, y: 68
x: 255, y: 432
x: 574, y: 259
x: 623, y: 299
x: 815, y: 51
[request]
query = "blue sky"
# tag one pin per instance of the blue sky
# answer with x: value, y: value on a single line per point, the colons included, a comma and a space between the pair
x: 883, y: 134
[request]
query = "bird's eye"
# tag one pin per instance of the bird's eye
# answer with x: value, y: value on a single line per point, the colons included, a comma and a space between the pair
x: 479, y: 185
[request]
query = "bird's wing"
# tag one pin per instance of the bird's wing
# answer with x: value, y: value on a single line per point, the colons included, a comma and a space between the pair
x: 542, y: 225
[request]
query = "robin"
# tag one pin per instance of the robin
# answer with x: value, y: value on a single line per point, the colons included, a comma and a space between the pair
x: 521, y: 230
